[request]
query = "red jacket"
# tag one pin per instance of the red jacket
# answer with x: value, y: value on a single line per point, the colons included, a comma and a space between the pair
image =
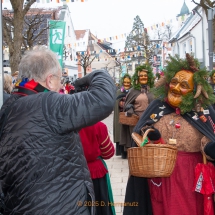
x: 96, y: 142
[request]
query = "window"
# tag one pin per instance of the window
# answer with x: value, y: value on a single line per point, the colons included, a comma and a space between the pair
x: 184, y: 49
x: 190, y: 46
x: 68, y: 30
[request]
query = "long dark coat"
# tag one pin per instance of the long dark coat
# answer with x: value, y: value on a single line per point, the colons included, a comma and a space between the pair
x: 116, y: 124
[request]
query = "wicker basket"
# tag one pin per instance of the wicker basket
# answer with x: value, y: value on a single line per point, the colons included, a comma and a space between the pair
x: 152, y: 160
x: 128, y: 120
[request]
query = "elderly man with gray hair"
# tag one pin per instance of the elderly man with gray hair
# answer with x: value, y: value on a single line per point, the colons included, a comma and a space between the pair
x: 42, y: 166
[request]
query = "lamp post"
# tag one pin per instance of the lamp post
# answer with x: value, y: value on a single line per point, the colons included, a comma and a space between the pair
x: 210, y: 37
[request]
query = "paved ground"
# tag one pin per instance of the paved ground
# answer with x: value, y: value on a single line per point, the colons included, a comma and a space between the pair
x: 118, y: 170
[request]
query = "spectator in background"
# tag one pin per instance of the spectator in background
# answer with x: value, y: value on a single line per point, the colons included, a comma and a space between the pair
x: 98, y: 146
x: 15, y: 76
x: 8, y: 86
x: 69, y: 87
x: 62, y: 89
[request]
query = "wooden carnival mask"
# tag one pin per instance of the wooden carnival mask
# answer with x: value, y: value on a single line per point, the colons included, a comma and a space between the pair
x: 181, y: 84
x: 143, y: 77
x: 127, y: 83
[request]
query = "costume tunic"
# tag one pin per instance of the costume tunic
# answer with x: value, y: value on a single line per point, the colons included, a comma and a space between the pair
x: 140, y: 101
x: 165, y: 191
x: 96, y: 142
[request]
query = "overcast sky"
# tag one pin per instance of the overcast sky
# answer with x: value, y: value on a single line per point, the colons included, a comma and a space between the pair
x: 106, y: 18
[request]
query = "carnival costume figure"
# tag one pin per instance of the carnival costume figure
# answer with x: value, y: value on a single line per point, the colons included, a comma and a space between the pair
x: 184, y: 117
x: 137, y: 100
x: 120, y: 100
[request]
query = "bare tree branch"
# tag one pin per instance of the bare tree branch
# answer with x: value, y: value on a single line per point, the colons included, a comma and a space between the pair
x: 85, y: 60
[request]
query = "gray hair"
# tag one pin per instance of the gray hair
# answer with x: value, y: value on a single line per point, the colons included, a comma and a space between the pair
x: 38, y: 63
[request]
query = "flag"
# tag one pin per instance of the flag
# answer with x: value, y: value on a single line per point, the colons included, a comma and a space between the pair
x: 56, y: 38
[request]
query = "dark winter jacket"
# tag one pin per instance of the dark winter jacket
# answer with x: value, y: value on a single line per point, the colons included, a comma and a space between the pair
x: 43, y: 170
x: 5, y: 96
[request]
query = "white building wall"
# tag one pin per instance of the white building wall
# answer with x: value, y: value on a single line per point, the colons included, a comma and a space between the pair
x: 198, y: 42
x: 198, y: 37
x: 70, y: 63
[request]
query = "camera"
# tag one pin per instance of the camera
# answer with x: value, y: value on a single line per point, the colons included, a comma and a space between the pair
x: 81, y: 88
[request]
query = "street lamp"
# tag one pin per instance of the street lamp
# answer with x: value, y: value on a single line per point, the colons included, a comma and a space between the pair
x: 210, y: 37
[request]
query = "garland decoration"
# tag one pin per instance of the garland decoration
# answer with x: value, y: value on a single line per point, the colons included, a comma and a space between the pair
x: 203, y: 92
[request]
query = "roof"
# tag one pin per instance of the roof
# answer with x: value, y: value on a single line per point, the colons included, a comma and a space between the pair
x: 80, y: 33
x: 184, y: 10
x: 106, y: 47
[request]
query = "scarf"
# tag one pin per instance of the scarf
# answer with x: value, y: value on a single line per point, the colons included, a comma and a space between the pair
x: 144, y: 88
x: 26, y: 87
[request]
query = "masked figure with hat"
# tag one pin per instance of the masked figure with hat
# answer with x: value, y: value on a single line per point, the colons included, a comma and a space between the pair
x: 182, y: 115
x: 136, y: 102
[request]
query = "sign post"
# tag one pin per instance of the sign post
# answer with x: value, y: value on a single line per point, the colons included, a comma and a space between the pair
x: 210, y: 37
x: 56, y: 38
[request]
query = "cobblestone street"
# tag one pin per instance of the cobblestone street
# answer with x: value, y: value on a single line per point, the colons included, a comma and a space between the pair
x: 118, y: 170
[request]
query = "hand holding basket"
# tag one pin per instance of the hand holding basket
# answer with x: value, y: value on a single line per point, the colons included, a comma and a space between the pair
x: 151, y: 160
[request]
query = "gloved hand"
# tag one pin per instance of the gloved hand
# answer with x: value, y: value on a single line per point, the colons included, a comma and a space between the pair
x: 209, y: 150
x: 153, y: 135
x: 128, y: 107
x: 86, y: 80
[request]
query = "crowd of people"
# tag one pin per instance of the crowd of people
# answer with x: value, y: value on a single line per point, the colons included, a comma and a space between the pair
x: 53, y: 144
